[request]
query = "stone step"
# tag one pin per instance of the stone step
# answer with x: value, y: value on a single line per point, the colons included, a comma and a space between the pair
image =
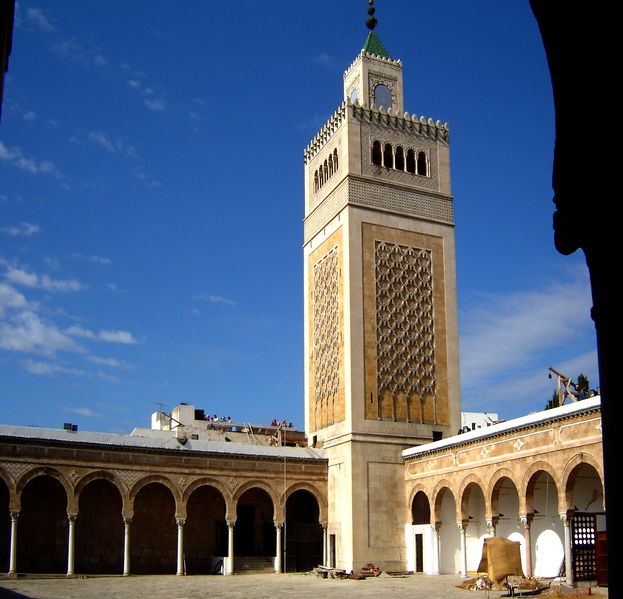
x: 254, y: 564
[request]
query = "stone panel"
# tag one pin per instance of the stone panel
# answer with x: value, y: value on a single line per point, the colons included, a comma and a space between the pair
x: 405, y: 352
x: 326, y: 391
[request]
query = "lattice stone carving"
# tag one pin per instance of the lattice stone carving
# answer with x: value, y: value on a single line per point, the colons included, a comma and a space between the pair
x: 326, y: 330
x: 405, y: 344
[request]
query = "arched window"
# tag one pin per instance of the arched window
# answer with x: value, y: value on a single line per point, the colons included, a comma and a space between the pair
x: 335, y: 159
x: 382, y: 96
x: 326, y: 171
x: 316, y: 184
x: 388, y: 156
x: 320, y: 178
x: 410, y: 161
x: 376, y: 153
x: 400, y: 159
x: 330, y: 165
x: 422, y: 166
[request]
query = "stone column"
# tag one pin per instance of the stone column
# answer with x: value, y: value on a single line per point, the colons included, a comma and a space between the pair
x: 229, y: 570
x: 435, y: 561
x: 462, y: 526
x: 127, y: 522
x: 278, y: 556
x: 13, y: 546
x: 180, y: 546
x: 526, y: 522
x: 566, y: 521
x: 71, y: 518
x: 325, y: 544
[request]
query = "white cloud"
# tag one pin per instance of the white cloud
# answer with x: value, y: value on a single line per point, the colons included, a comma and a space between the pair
x: 114, y: 288
x: 25, y: 332
x: 16, y: 158
x: 155, y: 105
x: 18, y: 276
x: 148, y: 181
x: 324, y: 59
x: 24, y: 229
x: 93, y: 258
x: 213, y: 299
x: 10, y: 298
x: 110, y: 336
x: 508, y: 341
x: 111, y: 362
x: 47, y: 368
x: 113, y: 146
x: 81, y: 411
x: 40, y: 19
x: 124, y: 337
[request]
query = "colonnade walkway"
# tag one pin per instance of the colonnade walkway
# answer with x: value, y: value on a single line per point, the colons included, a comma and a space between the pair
x: 247, y: 586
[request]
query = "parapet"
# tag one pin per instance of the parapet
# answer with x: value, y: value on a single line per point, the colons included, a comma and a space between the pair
x: 391, y: 119
x: 383, y: 59
x: 379, y: 116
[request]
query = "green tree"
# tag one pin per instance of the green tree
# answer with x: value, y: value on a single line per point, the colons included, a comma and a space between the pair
x: 582, y: 386
x: 554, y: 402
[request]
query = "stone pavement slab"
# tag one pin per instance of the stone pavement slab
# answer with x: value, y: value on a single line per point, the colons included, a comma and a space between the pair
x: 247, y: 586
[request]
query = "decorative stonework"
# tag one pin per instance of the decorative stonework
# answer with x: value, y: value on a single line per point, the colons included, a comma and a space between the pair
x: 129, y: 477
x: 405, y: 345
x: 326, y: 330
x: 366, y: 193
x: 380, y: 79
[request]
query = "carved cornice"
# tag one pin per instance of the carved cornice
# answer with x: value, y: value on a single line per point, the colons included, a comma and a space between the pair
x: 508, y: 434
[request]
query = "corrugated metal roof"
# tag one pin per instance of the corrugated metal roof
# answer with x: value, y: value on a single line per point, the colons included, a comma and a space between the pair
x: 159, y: 443
x: 503, y: 427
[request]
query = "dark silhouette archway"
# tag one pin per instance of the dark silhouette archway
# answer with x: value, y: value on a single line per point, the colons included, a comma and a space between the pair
x: 205, y: 531
x: 43, y: 527
x: 5, y: 526
x: 303, y: 532
x: 154, y: 531
x: 99, y: 529
x: 254, y: 533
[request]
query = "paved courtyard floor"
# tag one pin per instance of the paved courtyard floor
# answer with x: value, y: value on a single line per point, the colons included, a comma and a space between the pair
x: 248, y: 586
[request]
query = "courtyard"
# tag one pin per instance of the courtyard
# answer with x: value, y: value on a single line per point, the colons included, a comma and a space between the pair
x: 248, y: 586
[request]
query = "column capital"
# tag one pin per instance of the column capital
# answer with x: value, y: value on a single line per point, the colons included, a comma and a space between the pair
x: 127, y: 520
x: 566, y: 516
x: 435, y: 526
x: 526, y: 520
x: 462, y: 525
x: 231, y: 523
x: 180, y: 521
x: 14, y: 515
x: 71, y: 517
x: 278, y: 523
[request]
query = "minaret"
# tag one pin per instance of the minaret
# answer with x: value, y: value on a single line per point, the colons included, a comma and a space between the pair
x: 381, y: 343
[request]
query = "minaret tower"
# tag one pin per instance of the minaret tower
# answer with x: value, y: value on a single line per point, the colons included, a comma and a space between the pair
x: 381, y: 347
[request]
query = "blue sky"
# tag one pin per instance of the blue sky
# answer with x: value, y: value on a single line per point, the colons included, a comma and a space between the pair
x: 151, y: 202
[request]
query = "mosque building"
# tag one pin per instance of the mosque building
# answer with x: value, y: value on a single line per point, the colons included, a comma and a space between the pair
x: 380, y: 474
